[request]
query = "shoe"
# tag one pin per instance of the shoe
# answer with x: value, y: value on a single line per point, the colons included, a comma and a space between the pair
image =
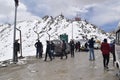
x: 107, y: 67
x: 90, y: 59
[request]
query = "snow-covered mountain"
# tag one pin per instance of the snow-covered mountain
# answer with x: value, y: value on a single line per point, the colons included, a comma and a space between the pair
x: 44, y: 27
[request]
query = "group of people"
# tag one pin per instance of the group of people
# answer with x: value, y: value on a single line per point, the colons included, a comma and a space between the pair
x: 50, y: 49
x: 105, y: 48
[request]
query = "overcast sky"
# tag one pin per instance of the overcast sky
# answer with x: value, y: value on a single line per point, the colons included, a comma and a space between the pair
x: 103, y: 13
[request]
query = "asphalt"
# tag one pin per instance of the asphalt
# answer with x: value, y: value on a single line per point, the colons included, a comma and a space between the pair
x: 77, y: 68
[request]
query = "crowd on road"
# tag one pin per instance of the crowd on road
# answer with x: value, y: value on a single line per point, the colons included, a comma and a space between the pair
x: 105, y: 48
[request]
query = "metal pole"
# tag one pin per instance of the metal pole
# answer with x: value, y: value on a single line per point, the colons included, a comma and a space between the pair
x: 14, y: 32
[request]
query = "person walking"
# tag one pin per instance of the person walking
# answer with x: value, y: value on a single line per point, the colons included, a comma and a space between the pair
x: 39, y: 49
x: 105, y: 49
x: 63, y: 50
x: 72, y: 46
x: 16, y: 50
x: 91, y: 49
x: 48, y: 51
x: 112, y: 50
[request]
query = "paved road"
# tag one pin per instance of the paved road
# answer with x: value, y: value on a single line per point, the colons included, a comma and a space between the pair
x: 77, y: 68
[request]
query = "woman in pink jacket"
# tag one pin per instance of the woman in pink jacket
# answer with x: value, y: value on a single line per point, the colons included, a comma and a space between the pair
x: 105, y: 48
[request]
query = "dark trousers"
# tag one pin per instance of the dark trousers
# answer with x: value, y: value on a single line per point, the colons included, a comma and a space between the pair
x: 114, y: 57
x: 105, y: 60
x: 39, y: 54
x: 63, y: 53
x: 50, y: 56
x: 52, y: 53
x: 72, y: 53
x: 15, y: 57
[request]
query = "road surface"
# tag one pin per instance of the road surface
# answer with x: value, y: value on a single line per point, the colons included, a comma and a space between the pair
x: 77, y: 68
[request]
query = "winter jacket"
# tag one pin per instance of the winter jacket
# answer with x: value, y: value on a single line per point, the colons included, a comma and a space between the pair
x: 52, y: 46
x: 72, y: 45
x: 105, y: 48
x: 112, y: 47
x: 38, y: 45
x: 17, y: 46
x: 91, y: 43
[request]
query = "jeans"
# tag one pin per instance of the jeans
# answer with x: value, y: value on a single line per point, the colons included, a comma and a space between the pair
x: 52, y: 53
x: 91, y: 55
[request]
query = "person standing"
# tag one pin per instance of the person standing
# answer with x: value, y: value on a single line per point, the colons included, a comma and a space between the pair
x: 72, y: 46
x: 52, y: 49
x: 79, y: 45
x: 91, y: 49
x: 63, y: 50
x: 86, y: 45
x: 105, y: 48
x: 39, y: 49
x: 48, y: 51
x: 76, y: 46
x: 16, y: 50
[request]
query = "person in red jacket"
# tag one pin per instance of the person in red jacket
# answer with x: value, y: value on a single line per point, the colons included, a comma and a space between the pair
x: 105, y: 48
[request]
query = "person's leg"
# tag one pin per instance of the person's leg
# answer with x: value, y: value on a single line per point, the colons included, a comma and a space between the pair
x: 73, y: 52
x: 45, y: 56
x: 104, y: 64
x: 53, y: 55
x: 90, y: 54
x: 61, y: 54
x: 40, y: 54
x: 114, y: 57
x: 15, y: 57
x: 50, y: 55
x: 65, y: 54
x: 93, y: 55
x: 37, y: 52
x: 107, y: 60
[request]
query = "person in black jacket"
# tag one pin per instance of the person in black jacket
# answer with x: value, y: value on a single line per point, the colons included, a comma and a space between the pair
x: 91, y: 49
x: 48, y: 51
x: 39, y: 49
x: 72, y: 46
x: 64, y: 46
x: 112, y: 50
x: 52, y: 49
x: 16, y: 50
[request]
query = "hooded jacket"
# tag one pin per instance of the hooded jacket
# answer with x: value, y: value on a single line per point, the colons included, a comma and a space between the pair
x: 105, y: 48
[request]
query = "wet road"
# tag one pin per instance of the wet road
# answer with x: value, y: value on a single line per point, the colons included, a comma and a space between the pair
x: 77, y: 68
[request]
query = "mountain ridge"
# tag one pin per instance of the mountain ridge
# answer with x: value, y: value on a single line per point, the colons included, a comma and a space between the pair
x: 46, y: 28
